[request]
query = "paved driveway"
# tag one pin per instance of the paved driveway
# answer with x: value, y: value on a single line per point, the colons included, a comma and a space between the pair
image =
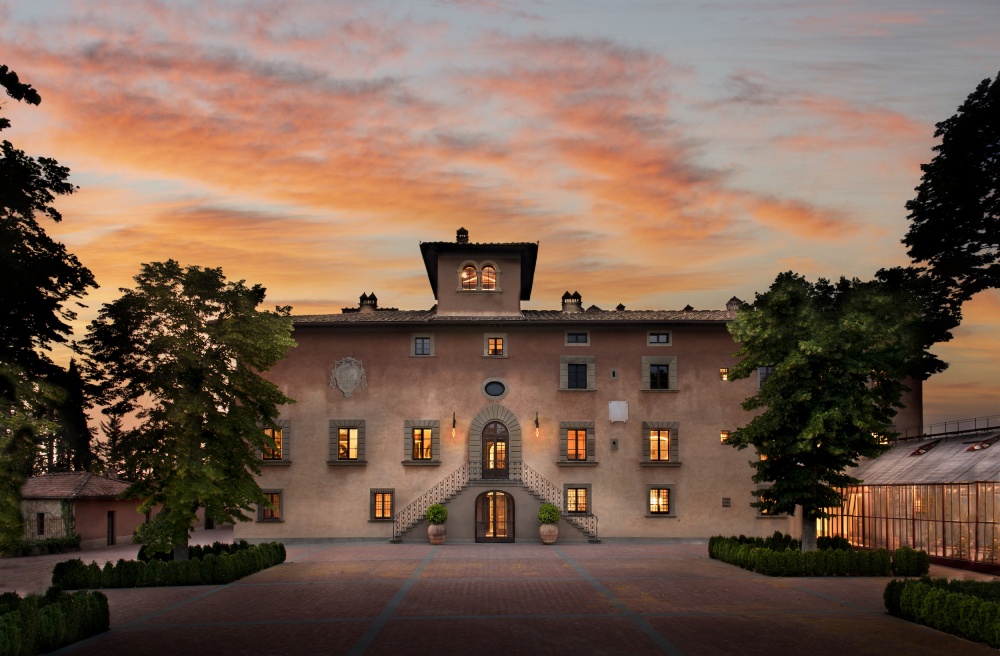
x: 610, y: 598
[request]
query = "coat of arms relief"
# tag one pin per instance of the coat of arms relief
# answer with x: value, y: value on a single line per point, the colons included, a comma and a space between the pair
x: 348, y: 375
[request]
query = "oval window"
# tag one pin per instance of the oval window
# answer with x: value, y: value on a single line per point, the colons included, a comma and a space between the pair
x: 495, y: 388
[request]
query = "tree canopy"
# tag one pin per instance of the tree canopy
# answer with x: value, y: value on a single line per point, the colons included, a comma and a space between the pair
x: 836, y: 355
x: 955, y: 217
x: 35, y: 308
x: 183, y: 352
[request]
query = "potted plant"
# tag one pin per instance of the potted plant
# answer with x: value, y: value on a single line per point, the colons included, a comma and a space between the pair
x: 436, y: 516
x: 548, y: 515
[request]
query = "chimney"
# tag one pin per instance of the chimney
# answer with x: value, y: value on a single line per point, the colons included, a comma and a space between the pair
x: 368, y: 303
x: 734, y: 304
x: 572, y: 302
x: 462, y: 236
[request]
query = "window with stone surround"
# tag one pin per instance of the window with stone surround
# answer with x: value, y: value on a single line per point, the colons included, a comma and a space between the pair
x: 347, y: 442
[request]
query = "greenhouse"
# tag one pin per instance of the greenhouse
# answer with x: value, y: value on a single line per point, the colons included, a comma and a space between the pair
x: 939, y: 494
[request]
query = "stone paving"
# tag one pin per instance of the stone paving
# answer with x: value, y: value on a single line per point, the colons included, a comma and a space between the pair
x: 610, y: 598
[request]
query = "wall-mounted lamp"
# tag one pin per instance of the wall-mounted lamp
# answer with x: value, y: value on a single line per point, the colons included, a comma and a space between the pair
x: 453, y: 424
x: 536, y: 424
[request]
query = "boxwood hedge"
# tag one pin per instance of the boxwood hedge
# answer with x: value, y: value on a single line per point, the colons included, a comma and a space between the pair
x: 211, y: 569
x: 970, y: 609
x: 39, y: 624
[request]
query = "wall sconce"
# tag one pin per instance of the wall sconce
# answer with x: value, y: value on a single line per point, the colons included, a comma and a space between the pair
x: 453, y: 424
x: 536, y: 424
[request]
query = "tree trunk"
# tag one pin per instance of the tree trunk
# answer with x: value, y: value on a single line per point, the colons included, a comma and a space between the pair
x: 808, y: 532
x: 181, y: 550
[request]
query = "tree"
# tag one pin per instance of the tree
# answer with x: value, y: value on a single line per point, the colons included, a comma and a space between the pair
x: 183, y: 351
x: 39, y: 276
x: 110, y: 451
x: 955, y: 217
x: 836, y: 356
x: 68, y: 446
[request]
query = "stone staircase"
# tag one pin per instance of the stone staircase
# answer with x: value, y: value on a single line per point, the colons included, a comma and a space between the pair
x: 457, y: 481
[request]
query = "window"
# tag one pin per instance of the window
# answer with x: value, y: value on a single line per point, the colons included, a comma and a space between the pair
x: 576, y: 372
x: 381, y: 505
x: 347, y: 442
x: 489, y: 279
x: 576, y: 443
x: 470, y: 278
x: 659, y: 373
x: 577, y: 498
x: 723, y: 373
x: 280, y: 453
x: 494, y: 389
x: 660, y: 443
x: 762, y: 494
x: 39, y: 524
x: 495, y: 345
x: 272, y: 453
x: 421, y: 442
x: 724, y: 436
x: 577, y: 338
x: 422, y: 345
x: 272, y: 510
x: 763, y: 373
x: 659, y: 501
x: 658, y: 338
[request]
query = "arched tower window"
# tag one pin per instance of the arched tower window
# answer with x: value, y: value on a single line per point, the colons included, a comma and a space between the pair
x: 489, y: 279
x: 470, y: 278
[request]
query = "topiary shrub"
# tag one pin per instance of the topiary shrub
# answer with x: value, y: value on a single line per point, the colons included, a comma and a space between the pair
x: 436, y: 514
x: 548, y: 513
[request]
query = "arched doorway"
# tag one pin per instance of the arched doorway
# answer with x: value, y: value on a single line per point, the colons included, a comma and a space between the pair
x: 496, y: 440
x: 494, y: 517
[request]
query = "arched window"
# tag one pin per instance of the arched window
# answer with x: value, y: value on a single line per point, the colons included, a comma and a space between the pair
x: 489, y: 279
x: 470, y: 278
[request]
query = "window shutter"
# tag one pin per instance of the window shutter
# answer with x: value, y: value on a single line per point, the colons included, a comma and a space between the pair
x: 645, y: 442
x: 591, y: 456
x: 334, y: 437
x: 562, y: 442
x: 361, y: 440
x: 407, y: 441
x: 286, y: 438
x: 436, y: 441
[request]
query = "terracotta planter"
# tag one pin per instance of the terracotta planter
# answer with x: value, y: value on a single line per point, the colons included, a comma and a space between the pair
x: 548, y: 533
x: 435, y: 533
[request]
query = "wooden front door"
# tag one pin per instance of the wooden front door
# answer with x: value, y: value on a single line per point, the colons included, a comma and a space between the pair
x: 495, y: 442
x: 494, y: 517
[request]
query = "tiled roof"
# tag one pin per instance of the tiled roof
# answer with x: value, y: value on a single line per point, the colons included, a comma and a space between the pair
x: 71, y: 485
x: 949, y: 461
x: 534, y: 316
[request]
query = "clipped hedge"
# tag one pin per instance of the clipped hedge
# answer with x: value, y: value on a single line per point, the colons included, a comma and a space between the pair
x: 781, y: 560
x: 42, y: 547
x: 970, y: 609
x: 196, y: 551
x: 209, y: 570
x: 39, y: 624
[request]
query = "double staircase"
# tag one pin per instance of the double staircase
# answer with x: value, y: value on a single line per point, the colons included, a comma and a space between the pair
x: 540, y: 487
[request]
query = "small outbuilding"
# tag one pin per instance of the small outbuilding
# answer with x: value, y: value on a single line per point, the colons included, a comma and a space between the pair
x: 57, y: 505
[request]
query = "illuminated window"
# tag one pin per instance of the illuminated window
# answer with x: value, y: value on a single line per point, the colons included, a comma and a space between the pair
x: 577, y: 499
x: 576, y: 444
x: 272, y: 453
x: 489, y: 279
x: 659, y: 501
x: 763, y: 457
x: 723, y: 373
x: 659, y: 373
x: 495, y: 345
x: 658, y: 338
x: 347, y: 444
x: 576, y: 372
x: 659, y: 445
x: 470, y: 278
x: 271, y: 510
x: 422, y: 442
x: 762, y: 493
x: 724, y: 437
x: 381, y: 505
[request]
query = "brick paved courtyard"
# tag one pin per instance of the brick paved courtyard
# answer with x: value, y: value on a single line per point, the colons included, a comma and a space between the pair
x: 612, y: 598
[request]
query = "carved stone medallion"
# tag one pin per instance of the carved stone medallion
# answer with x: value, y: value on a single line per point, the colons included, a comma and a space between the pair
x: 347, y: 375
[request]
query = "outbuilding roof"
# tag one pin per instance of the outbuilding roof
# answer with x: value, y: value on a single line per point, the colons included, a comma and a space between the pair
x: 71, y: 485
x: 955, y: 459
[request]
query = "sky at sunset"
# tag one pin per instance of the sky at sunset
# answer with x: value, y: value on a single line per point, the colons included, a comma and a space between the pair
x: 661, y: 153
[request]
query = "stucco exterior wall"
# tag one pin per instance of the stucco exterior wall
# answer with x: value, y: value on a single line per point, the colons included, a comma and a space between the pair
x: 91, y: 518
x: 324, y: 501
x: 454, y: 301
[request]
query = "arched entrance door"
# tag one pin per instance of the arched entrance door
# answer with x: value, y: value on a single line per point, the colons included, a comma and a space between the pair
x: 495, y: 442
x: 494, y: 517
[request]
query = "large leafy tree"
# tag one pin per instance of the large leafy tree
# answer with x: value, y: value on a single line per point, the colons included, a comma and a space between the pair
x: 955, y: 217
x: 68, y: 447
x: 183, y: 352
x: 836, y: 355
x: 39, y: 276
